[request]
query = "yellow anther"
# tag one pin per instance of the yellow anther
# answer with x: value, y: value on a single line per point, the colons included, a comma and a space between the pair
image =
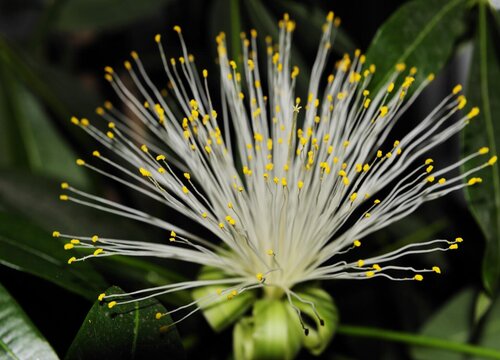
x: 300, y: 184
x: 366, y: 167
x: 369, y: 273
x: 357, y: 243
x: 204, y: 215
x: 413, y: 70
x: 430, y: 179
x: 64, y: 185
x: 376, y: 201
x: 157, y: 38
x: 56, y: 234
x: 383, y: 111
x: 127, y: 65
x: 80, y: 162
x: 63, y: 197
x: 99, y: 111
x: 390, y: 87
x: 284, y: 183
x: 71, y: 260
x: 353, y: 196
x: 442, y: 181
x: 457, y: 89
x: 361, y: 263
x: 346, y: 143
x: 110, y: 135
x: 492, y: 160
x: 98, y: 251
x: 400, y: 67
x: 144, y: 172
x: 428, y: 161
x: 160, y: 157
x: 74, y: 120
x: 144, y: 148
x: 111, y: 304
x: 101, y: 296
x: 429, y: 168
x: 108, y: 77
x: 85, y: 122
x: 473, y: 113
x: 483, y: 150
x: 108, y: 69
x: 453, y: 247
x: 68, y: 246
x: 462, y: 101
x: 161, y: 170
x: 177, y: 29
x: 345, y: 180
x: 75, y: 241
x: 418, y: 277
x: 270, y: 252
x: 367, y: 215
x: 431, y: 77
x: 185, y: 190
x: 473, y: 181
x: 379, y: 153
x: 436, y: 269
x: 259, y: 276
x: 187, y: 176
x: 158, y: 316
x: 218, y: 291
x: 221, y: 225
x: 234, y: 292
x: 376, y: 267
x: 96, y: 153
x: 459, y: 239
x: 95, y: 238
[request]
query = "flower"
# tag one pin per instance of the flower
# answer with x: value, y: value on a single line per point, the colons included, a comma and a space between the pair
x: 288, y: 186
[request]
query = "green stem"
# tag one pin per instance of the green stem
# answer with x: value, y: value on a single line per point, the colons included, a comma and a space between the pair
x: 418, y: 340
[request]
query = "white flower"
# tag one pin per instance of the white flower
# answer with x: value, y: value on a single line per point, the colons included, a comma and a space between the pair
x: 307, y: 190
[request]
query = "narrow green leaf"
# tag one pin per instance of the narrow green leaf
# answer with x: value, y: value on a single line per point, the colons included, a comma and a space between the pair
x: 129, y: 331
x: 451, y: 322
x: 29, y: 140
x: 26, y: 247
x: 78, y: 15
x: 19, y: 338
x: 41, y: 206
x: 484, y: 91
x: 420, y: 33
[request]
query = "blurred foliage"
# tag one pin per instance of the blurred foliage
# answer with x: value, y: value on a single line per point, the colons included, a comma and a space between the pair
x: 51, y: 58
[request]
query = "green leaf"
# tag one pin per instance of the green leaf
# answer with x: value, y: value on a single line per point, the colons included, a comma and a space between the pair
x: 451, y: 322
x: 78, y: 15
x: 128, y: 331
x: 19, y: 338
x: 28, y: 139
x: 41, y: 206
x: 225, y: 311
x: 484, y: 130
x: 26, y: 247
x: 420, y: 33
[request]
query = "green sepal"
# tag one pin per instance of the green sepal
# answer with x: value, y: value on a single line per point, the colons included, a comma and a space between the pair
x: 222, y: 312
x: 320, y: 335
x: 273, y: 332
